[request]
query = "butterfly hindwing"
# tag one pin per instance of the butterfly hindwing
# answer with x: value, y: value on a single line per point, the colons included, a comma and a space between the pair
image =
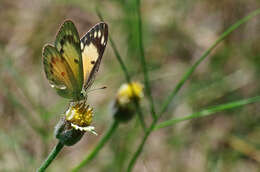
x: 68, y: 45
x: 92, y: 47
x: 58, y: 72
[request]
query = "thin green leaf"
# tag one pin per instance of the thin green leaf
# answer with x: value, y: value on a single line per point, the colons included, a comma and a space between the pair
x: 204, y: 55
x: 127, y: 76
x: 51, y: 157
x: 183, y: 80
x: 208, y: 111
x: 100, y: 144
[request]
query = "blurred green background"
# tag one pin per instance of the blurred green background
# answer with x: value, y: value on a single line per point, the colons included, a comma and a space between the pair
x: 175, y: 34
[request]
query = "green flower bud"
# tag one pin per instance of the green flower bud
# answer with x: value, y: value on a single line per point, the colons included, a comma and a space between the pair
x: 76, y: 122
x: 66, y: 133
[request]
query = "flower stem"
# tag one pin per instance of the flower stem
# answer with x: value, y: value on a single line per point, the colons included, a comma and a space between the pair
x: 187, y: 75
x: 127, y: 76
x: 51, y: 157
x: 143, y: 61
x: 183, y: 80
x: 95, y: 151
x: 141, y: 146
x: 208, y: 111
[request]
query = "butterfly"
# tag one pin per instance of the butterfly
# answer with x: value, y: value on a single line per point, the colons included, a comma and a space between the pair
x: 72, y: 63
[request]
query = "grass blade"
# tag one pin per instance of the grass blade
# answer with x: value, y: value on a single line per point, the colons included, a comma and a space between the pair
x: 51, y: 157
x: 95, y: 151
x: 209, y: 111
x: 183, y: 80
x: 204, y: 55
x: 127, y: 76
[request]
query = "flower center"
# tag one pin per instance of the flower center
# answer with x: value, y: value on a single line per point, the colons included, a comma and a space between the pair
x: 79, y: 114
x: 127, y: 92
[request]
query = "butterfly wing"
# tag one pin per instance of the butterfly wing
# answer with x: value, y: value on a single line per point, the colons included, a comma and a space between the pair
x: 63, y: 63
x: 92, y: 46
x: 58, y: 72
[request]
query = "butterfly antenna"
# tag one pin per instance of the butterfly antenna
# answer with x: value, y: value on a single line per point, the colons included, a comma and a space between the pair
x: 95, y: 89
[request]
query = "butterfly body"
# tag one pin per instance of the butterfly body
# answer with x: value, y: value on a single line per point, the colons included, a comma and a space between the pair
x: 72, y: 63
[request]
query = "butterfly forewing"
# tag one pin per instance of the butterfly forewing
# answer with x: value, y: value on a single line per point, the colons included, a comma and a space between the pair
x: 68, y: 45
x: 63, y: 62
x: 92, y: 46
x: 58, y: 72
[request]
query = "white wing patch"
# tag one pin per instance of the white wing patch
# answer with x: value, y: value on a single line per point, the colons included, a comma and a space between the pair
x: 99, y: 34
x: 81, y: 46
x: 102, y: 40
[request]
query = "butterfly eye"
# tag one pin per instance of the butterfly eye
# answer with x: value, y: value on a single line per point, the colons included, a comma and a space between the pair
x: 76, y: 61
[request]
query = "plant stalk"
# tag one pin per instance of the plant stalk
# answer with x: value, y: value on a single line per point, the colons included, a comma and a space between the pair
x: 95, y: 151
x: 183, y: 80
x: 51, y: 157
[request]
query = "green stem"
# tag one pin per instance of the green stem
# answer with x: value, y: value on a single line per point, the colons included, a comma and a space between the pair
x: 204, y: 55
x: 181, y: 83
x: 118, y: 57
x: 127, y: 76
x: 140, y: 147
x: 128, y: 79
x: 208, y: 111
x: 143, y: 61
x: 51, y: 157
x: 95, y: 151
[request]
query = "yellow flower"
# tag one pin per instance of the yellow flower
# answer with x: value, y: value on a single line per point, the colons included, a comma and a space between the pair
x: 73, y: 125
x: 123, y: 107
x: 128, y: 92
x: 80, y: 115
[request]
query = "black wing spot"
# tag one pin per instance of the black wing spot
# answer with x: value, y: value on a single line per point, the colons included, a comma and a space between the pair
x: 92, y: 33
x: 92, y: 61
x: 61, y: 51
x: 102, y: 26
x: 68, y: 38
x: 76, y: 61
x: 62, y: 42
